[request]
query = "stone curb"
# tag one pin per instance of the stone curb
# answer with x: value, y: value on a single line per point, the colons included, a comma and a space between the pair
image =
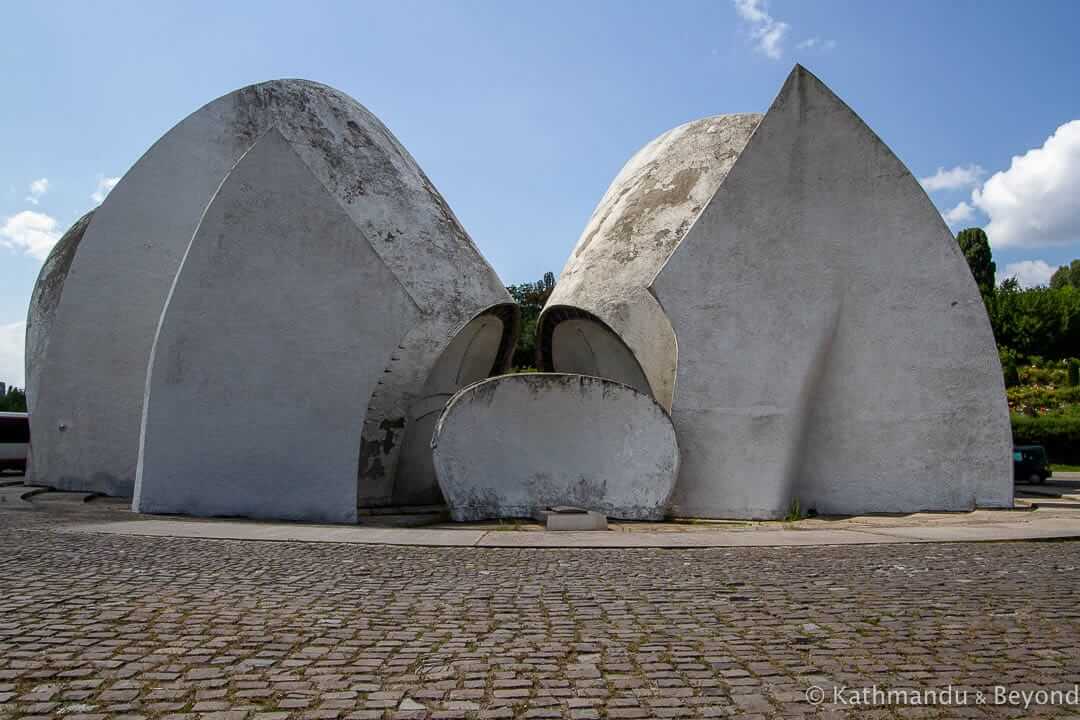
x: 1055, y: 528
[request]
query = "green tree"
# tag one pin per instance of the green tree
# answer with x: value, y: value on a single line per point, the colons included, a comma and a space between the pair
x: 1039, y: 321
x: 976, y: 248
x: 1066, y: 276
x: 531, y: 298
x: 14, y: 400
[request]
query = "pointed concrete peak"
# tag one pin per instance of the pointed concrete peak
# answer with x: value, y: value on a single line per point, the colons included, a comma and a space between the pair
x: 800, y: 71
x: 799, y: 80
x: 803, y: 88
x: 793, y: 79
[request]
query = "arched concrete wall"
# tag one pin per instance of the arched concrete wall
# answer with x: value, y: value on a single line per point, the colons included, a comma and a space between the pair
x: 484, y: 347
x: 39, y: 320
x: 833, y: 346
x: 93, y: 378
x: 280, y: 322
x: 584, y: 345
x: 641, y: 218
x: 513, y: 445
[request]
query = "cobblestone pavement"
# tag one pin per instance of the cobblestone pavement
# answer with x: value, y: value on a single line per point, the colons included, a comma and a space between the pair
x: 109, y: 626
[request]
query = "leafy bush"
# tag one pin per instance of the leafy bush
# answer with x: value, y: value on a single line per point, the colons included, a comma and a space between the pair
x: 14, y: 400
x: 1043, y: 399
x: 1010, y: 364
x: 1059, y: 433
x: 530, y: 297
x: 1035, y: 375
x: 1037, y: 320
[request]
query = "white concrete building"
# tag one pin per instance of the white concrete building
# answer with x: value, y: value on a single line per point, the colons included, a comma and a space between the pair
x: 830, y: 343
x: 271, y: 312
x: 91, y: 378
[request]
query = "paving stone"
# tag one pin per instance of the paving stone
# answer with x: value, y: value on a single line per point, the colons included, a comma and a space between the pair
x: 189, y: 629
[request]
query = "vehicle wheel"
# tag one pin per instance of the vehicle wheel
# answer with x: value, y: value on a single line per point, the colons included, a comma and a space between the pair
x: 1036, y: 479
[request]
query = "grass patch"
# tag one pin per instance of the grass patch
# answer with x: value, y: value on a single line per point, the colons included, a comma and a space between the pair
x: 1057, y: 467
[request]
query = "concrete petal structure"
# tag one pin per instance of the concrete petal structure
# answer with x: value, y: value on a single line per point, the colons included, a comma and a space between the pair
x: 517, y: 444
x: 269, y: 313
x: 832, y: 346
x: 829, y: 342
x: 89, y: 394
x: 44, y: 301
x: 601, y: 319
x: 281, y: 320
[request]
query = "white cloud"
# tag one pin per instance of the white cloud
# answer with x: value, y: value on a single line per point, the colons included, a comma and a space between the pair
x: 961, y: 213
x: 104, y: 185
x: 30, y: 232
x: 766, y: 30
x: 752, y: 11
x: 37, y: 188
x: 816, y: 43
x: 1029, y: 273
x: 961, y: 176
x: 12, y: 345
x: 1035, y: 202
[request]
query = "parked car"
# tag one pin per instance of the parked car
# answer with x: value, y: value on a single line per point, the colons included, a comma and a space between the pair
x: 1030, y: 464
x: 14, y: 440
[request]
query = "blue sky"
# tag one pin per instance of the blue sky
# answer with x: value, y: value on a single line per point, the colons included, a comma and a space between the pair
x: 522, y: 113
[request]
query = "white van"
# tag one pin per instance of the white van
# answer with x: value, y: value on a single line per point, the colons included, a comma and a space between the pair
x: 14, y: 440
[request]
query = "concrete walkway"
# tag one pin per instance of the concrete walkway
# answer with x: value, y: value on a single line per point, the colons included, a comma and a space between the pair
x: 1035, y: 518
x: 969, y: 527
x: 1062, y: 490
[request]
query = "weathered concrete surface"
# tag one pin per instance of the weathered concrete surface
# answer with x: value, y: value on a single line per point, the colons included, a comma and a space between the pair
x: 44, y: 301
x: 514, y: 445
x: 588, y: 521
x: 280, y: 323
x: 93, y: 378
x: 833, y: 346
x: 467, y: 359
x: 583, y: 344
x: 644, y: 214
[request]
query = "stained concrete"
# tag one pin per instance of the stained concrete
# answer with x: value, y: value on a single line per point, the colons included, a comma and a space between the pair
x: 514, y: 445
x: 89, y: 389
x: 646, y: 212
x: 562, y: 521
x: 587, y: 346
x: 44, y: 301
x: 466, y: 360
x: 832, y: 345
x: 280, y: 323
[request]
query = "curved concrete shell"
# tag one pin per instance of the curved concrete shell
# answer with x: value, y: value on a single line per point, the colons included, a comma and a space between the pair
x: 467, y: 359
x: 833, y: 346
x: 517, y: 444
x: 280, y: 323
x: 601, y: 319
x: 39, y: 318
x: 90, y: 394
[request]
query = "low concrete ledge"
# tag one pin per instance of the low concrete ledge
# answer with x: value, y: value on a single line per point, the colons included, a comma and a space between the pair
x: 513, y: 445
x: 1033, y: 527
